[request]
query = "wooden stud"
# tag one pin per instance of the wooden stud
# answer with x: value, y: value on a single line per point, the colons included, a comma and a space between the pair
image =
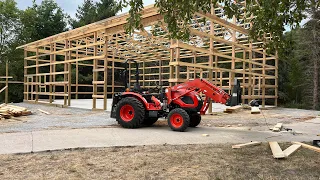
x: 290, y: 150
x: 37, y: 72
x: 7, y: 84
x: 308, y: 146
x: 238, y: 146
x: 276, y: 150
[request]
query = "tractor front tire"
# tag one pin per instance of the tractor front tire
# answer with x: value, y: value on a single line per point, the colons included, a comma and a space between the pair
x: 150, y: 121
x: 195, y: 120
x: 130, y: 113
x: 178, y: 119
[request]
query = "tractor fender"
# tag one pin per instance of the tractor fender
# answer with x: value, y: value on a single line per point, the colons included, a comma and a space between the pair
x: 139, y: 97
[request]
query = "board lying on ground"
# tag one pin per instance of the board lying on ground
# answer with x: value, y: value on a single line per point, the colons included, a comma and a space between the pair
x: 8, y: 111
x: 238, y: 146
x: 276, y: 150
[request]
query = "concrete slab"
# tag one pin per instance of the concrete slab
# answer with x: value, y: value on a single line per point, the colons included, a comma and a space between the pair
x: 38, y: 141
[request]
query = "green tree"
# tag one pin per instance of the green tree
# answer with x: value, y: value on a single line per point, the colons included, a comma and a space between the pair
x: 86, y: 14
x: 311, y: 42
x: 90, y: 12
x: 9, y: 15
x: 269, y: 15
x: 9, y: 29
x: 106, y: 9
x: 44, y: 20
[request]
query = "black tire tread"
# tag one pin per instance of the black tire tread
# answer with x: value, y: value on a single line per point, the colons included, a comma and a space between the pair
x: 150, y: 121
x: 195, y: 120
x: 139, y: 111
x: 186, y: 119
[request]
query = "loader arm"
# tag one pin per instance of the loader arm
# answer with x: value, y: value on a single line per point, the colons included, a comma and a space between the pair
x: 203, y: 86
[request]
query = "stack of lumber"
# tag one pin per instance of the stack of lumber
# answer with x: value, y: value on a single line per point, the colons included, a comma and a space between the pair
x: 8, y: 111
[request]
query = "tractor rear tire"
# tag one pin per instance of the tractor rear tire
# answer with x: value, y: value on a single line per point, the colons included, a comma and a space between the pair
x: 178, y: 119
x: 195, y: 120
x: 150, y: 121
x: 130, y: 113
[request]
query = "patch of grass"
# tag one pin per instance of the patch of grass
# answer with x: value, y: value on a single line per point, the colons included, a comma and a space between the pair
x: 163, y: 162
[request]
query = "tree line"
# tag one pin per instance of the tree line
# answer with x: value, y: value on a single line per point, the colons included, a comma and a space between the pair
x: 298, y: 54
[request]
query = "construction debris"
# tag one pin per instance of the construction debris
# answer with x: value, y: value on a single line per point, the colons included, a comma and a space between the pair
x: 255, y: 110
x: 44, y: 112
x: 233, y: 109
x: 276, y: 150
x: 277, y: 127
x: 238, y: 146
x: 8, y: 111
x: 293, y: 148
x: 308, y: 146
x: 316, y: 143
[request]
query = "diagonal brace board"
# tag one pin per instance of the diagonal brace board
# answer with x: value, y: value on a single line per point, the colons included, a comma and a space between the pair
x: 3, y: 89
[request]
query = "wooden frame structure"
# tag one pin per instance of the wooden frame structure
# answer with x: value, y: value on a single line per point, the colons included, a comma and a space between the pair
x: 5, y: 80
x: 219, y: 50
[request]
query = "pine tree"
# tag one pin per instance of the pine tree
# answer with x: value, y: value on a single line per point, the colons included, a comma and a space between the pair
x: 86, y: 14
x: 106, y: 9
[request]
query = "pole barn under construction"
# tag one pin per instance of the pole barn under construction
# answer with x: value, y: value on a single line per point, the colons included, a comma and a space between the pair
x: 219, y: 50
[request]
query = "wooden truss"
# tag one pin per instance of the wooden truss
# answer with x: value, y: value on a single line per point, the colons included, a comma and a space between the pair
x: 219, y: 50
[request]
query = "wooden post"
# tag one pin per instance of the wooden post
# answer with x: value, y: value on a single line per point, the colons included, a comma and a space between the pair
x: 264, y: 78
x: 113, y: 64
x: 65, y: 75
x: 37, y: 72
x: 143, y: 73
x: 177, y: 67
x: 277, y: 78
x: 171, y: 76
x: 25, y: 79
x: 69, y: 75
x: 95, y: 73
x: 250, y: 75
x: 105, y: 86
x: 54, y: 70
x: 77, y: 73
x: 212, y: 53
x: 233, y: 63
x: 51, y: 71
x: 7, y: 84
x: 244, y: 76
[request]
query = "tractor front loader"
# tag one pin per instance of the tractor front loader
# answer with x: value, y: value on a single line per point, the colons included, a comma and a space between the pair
x: 181, y: 104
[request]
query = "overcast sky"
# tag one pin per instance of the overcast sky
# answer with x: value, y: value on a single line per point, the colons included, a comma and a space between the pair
x: 69, y: 6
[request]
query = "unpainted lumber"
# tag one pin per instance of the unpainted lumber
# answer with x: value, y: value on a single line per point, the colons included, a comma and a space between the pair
x: 233, y: 109
x: 308, y: 146
x: 290, y: 150
x: 44, y: 112
x: 238, y: 146
x: 255, y: 110
x: 276, y: 150
x: 277, y: 127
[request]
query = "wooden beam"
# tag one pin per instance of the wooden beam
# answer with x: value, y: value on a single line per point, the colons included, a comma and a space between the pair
x: 308, y: 146
x: 238, y: 146
x: 276, y: 150
x: 4, y: 88
x: 223, y: 22
x: 290, y: 150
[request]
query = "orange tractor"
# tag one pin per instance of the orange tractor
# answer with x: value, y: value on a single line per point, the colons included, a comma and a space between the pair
x: 181, y: 104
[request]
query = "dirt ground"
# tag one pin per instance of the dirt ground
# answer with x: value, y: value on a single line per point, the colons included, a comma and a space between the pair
x: 162, y: 162
x: 69, y: 118
x: 268, y: 117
